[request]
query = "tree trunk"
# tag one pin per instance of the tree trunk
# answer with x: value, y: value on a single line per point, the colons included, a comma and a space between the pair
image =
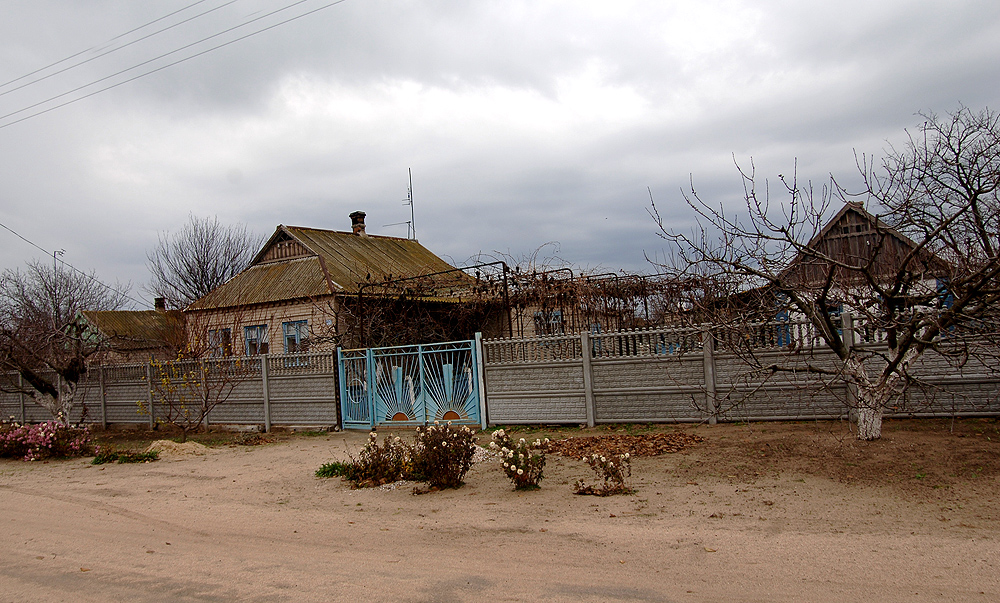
x: 870, y: 398
x: 869, y: 421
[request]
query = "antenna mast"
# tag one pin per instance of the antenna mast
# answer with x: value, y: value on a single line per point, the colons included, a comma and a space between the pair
x: 409, y: 201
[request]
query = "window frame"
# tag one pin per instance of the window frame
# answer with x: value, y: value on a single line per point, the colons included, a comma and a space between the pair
x: 220, y: 346
x: 259, y: 339
x: 300, y: 330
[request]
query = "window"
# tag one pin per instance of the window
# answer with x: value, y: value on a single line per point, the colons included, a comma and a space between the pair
x: 220, y: 342
x: 296, y: 336
x: 256, y: 340
x: 549, y: 322
x: 945, y: 295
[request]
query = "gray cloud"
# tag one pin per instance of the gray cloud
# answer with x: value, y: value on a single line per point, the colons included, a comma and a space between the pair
x: 524, y: 122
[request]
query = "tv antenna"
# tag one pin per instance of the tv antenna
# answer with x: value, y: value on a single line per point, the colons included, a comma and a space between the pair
x: 411, y: 230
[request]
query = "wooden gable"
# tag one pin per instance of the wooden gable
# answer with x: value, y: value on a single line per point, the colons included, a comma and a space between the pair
x: 282, y: 247
x: 857, y: 238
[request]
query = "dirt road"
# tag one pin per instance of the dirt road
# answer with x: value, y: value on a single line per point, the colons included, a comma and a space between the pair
x: 253, y: 524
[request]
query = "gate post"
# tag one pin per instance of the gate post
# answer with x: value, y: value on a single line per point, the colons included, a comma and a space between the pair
x: 421, y: 405
x: 588, y: 379
x: 371, y: 385
x: 480, y: 365
x: 335, y: 358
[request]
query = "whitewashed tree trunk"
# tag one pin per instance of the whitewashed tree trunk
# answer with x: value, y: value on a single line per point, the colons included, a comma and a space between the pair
x: 869, y: 399
x: 873, y: 396
x: 60, y: 407
x: 869, y: 421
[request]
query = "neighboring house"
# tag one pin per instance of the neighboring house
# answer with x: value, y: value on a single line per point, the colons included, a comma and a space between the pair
x: 856, y: 237
x: 310, y: 289
x: 137, y: 336
x: 853, y: 237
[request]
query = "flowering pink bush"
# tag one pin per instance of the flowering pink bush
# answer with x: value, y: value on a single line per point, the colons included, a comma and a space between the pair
x: 42, y: 440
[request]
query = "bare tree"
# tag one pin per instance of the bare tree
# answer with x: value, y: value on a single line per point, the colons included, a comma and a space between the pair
x: 207, y: 371
x: 927, y: 276
x: 187, y: 265
x: 42, y: 334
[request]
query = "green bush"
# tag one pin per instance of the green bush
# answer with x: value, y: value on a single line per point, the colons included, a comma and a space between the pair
x: 111, y: 455
x: 336, y: 469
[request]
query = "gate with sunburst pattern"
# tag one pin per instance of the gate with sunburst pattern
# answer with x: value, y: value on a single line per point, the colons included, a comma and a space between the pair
x: 410, y: 385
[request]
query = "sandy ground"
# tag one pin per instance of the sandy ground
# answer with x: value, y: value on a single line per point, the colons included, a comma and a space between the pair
x: 254, y: 524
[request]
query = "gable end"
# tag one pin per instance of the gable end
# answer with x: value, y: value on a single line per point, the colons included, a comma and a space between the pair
x: 283, y: 247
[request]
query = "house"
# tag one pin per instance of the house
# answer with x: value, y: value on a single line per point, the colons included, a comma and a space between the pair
x: 842, y: 268
x: 137, y: 336
x: 314, y: 289
x: 857, y: 238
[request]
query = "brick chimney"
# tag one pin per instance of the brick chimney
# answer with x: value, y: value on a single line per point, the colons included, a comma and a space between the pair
x: 160, y: 304
x: 358, y: 223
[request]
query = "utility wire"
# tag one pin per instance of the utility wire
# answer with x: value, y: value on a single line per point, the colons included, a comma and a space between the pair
x: 74, y: 268
x: 161, y: 68
x: 116, y: 49
x: 73, y: 56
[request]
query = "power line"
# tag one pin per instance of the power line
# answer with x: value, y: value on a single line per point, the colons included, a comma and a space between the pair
x: 168, y: 65
x: 73, y: 56
x: 103, y: 54
x: 72, y: 267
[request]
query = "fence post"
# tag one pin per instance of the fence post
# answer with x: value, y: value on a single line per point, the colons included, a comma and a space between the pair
x: 104, y: 399
x: 149, y: 395
x: 204, y: 385
x: 265, y: 367
x: 370, y: 386
x: 847, y: 333
x: 335, y: 358
x: 708, y: 349
x: 481, y: 380
x: 21, y: 394
x: 588, y: 379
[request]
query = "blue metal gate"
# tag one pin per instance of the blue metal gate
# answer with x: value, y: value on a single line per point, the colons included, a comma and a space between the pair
x: 410, y: 385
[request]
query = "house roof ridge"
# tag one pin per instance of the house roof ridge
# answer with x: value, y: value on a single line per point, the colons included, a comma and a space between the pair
x: 346, y: 232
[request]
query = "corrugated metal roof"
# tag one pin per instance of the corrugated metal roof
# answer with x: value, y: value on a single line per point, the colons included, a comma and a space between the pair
x: 343, y: 262
x: 137, y: 329
x: 298, y: 278
x: 353, y: 260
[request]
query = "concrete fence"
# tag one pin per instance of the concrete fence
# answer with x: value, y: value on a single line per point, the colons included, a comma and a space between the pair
x: 660, y: 375
x: 299, y: 389
x: 688, y: 375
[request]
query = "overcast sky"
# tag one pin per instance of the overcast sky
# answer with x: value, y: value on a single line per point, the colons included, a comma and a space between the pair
x: 524, y: 122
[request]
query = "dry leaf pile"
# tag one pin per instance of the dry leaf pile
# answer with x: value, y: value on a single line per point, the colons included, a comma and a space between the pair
x: 649, y: 444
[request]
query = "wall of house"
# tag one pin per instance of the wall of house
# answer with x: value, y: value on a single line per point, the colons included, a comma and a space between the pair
x: 324, y: 318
